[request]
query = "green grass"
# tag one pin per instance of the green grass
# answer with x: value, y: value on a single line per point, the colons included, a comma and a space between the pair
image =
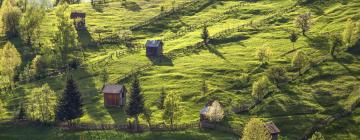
x: 293, y: 109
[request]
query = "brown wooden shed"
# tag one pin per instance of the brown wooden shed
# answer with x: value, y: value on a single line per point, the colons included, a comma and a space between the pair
x: 114, y: 95
x: 273, y: 130
x: 79, y: 20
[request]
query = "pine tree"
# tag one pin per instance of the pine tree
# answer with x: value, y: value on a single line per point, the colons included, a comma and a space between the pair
x: 172, y: 110
x: 317, y: 136
x: 136, y: 103
x: 255, y: 130
x: 22, y: 113
x: 293, y: 38
x: 104, y: 77
x: 69, y: 106
x: 205, y: 35
x: 299, y: 61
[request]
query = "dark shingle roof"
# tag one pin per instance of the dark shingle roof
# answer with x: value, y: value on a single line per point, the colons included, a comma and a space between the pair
x: 153, y: 43
x: 75, y: 15
x: 272, y: 128
x: 116, y: 89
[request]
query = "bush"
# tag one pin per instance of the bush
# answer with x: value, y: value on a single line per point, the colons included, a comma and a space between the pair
x: 242, y: 82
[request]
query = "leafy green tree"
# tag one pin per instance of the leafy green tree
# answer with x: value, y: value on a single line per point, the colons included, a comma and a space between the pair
x: 317, y: 136
x: 277, y: 75
x: 293, y: 38
x: 336, y: 43
x: 351, y: 34
x: 303, y: 22
x: 65, y: 37
x: 10, y: 60
x: 136, y: 104
x: 38, y: 67
x: 255, y: 130
x: 242, y: 81
x: 43, y: 104
x: 30, y: 22
x: 69, y: 106
x: 205, y: 35
x: 215, y: 112
x: 299, y: 61
x: 264, y: 55
x: 161, y: 99
x: 11, y: 15
x: 261, y: 88
x: 172, y: 111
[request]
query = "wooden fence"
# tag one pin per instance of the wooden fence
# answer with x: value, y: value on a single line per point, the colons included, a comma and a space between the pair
x: 354, y: 103
x: 165, y: 14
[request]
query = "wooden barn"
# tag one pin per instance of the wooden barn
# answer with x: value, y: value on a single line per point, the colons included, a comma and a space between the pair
x: 154, y: 48
x: 79, y: 20
x: 114, y: 95
x: 273, y: 130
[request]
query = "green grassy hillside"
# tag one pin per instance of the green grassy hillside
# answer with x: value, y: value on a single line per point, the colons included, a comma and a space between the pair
x: 319, y: 93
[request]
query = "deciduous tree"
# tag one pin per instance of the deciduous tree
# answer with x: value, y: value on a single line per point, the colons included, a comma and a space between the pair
x: 293, y: 38
x: 172, y: 110
x: 43, y: 104
x: 277, y: 75
x: 255, y: 130
x: 299, y: 61
x: 11, y: 15
x: 303, y: 22
x: 264, y: 54
x: 161, y: 99
x: 10, y: 60
x: 65, y: 37
x: 336, y: 43
x: 317, y: 136
x: 261, y: 88
x: 30, y: 22
x: 215, y: 112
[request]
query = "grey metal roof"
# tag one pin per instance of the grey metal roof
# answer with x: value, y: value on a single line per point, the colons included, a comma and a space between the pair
x: 116, y: 89
x: 272, y: 128
x: 204, y: 110
x: 153, y: 43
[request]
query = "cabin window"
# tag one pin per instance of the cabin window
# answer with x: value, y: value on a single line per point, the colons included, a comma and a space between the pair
x: 123, y: 95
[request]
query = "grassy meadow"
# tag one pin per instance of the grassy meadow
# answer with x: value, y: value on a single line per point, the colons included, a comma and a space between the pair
x: 319, y: 93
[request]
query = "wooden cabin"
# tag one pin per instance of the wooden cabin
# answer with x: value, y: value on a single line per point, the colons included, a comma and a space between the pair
x: 114, y: 95
x: 154, y: 48
x: 273, y: 130
x: 79, y: 20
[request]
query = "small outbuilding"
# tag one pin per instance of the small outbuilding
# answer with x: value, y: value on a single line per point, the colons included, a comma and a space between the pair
x: 154, y: 48
x: 273, y: 130
x: 79, y: 20
x: 114, y: 95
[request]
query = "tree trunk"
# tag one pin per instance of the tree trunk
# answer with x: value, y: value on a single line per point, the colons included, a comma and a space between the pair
x: 136, y: 123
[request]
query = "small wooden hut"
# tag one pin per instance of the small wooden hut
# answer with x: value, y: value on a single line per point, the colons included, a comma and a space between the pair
x: 114, y: 95
x: 79, y: 20
x: 273, y: 130
x: 154, y: 48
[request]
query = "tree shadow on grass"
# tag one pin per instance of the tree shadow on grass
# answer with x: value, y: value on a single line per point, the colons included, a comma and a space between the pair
x: 318, y: 42
x: 99, y: 7
x: 86, y: 40
x: 132, y: 6
x: 351, y: 72
x: 214, y: 51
